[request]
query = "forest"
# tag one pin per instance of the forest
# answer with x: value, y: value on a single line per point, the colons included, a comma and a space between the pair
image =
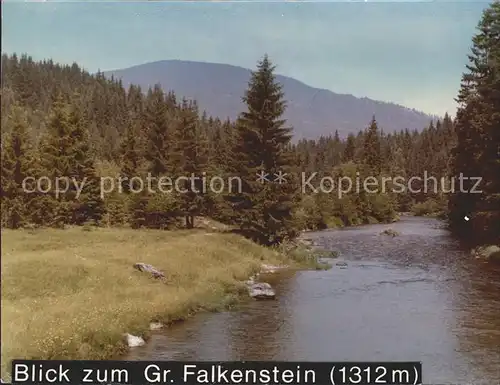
x: 61, y: 121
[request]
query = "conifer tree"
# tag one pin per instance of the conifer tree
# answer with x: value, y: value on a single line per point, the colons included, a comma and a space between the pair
x: 264, y: 207
x: 222, y: 166
x: 218, y: 153
x: 89, y: 206
x: 350, y: 149
x: 130, y: 157
x: 159, y: 134
x: 478, y: 134
x: 193, y: 144
x: 372, y: 151
x: 138, y: 207
x: 18, y: 163
x: 66, y: 153
x: 135, y: 119
x: 336, y: 137
x: 57, y: 159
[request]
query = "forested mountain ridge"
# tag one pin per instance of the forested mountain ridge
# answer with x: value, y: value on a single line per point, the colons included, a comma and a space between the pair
x: 57, y: 118
x: 311, y: 112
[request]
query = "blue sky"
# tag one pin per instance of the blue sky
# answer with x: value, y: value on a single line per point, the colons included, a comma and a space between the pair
x: 411, y: 53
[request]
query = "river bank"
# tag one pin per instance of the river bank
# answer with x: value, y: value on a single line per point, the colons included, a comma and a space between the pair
x: 72, y: 294
x: 417, y: 296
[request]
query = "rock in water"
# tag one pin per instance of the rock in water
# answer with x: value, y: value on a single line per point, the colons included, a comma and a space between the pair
x: 491, y: 252
x: 390, y: 232
x: 149, y: 269
x: 261, y: 290
x: 134, y: 341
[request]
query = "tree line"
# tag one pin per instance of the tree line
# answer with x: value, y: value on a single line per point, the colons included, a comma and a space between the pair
x: 61, y: 121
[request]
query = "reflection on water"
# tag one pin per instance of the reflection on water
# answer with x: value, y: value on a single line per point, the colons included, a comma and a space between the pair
x: 414, y: 297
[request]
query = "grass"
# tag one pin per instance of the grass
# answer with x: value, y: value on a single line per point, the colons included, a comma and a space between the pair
x: 71, y: 294
x: 305, y: 255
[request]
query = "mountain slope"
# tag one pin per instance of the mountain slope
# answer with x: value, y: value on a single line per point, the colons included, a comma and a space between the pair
x: 312, y: 112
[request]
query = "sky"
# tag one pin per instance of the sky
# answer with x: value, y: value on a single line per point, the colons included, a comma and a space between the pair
x: 412, y: 53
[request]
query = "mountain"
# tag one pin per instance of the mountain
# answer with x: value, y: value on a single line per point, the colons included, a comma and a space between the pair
x: 312, y: 112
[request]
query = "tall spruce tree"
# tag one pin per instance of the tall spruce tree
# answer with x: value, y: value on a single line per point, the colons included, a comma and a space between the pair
x: 57, y: 160
x: 66, y: 153
x: 159, y: 134
x: 88, y: 206
x: 193, y: 145
x: 478, y: 134
x: 264, y: 208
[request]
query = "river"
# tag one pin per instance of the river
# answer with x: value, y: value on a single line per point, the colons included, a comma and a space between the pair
x: 414, y: 297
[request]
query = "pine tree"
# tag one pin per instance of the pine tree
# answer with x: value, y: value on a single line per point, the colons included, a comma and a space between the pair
x: 350, y: 149
x: 57, y: 161
x: 130, y: 157
x: 335, y: 155
x: 88, y: 206
x: 18, y: 163
x: 194, y: 150
x: 336, y: 137
x: 372, y: 150
x: 66, y: 153
x: 388, y: 152
x: 264, y: 209
x: 217, y: 149
x: 159, y: 134
x: 478, y: 134
x: 138, y: 210
x: 222, y: 165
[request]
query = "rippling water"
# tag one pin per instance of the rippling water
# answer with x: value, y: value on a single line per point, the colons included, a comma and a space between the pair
x: 414, y: 297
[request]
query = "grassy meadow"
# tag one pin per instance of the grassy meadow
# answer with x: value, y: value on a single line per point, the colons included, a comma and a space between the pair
x: 71, y: 294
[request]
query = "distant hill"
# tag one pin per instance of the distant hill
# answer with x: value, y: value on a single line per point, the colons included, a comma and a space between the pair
x: 312, y: 112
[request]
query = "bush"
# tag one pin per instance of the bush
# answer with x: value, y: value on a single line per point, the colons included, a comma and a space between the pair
x: 334, y: 222
x: 428, y: 208
x: 382, y: 208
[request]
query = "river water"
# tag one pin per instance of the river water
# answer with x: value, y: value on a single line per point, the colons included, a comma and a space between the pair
x: 414, y: 297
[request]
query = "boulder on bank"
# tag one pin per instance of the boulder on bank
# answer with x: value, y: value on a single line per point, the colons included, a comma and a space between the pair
x: 489, y: 252
x: 155, y: 326
x: 134, y: 341
x: 390, y: 232
x: 261, y: 290
x: 144, y: 267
